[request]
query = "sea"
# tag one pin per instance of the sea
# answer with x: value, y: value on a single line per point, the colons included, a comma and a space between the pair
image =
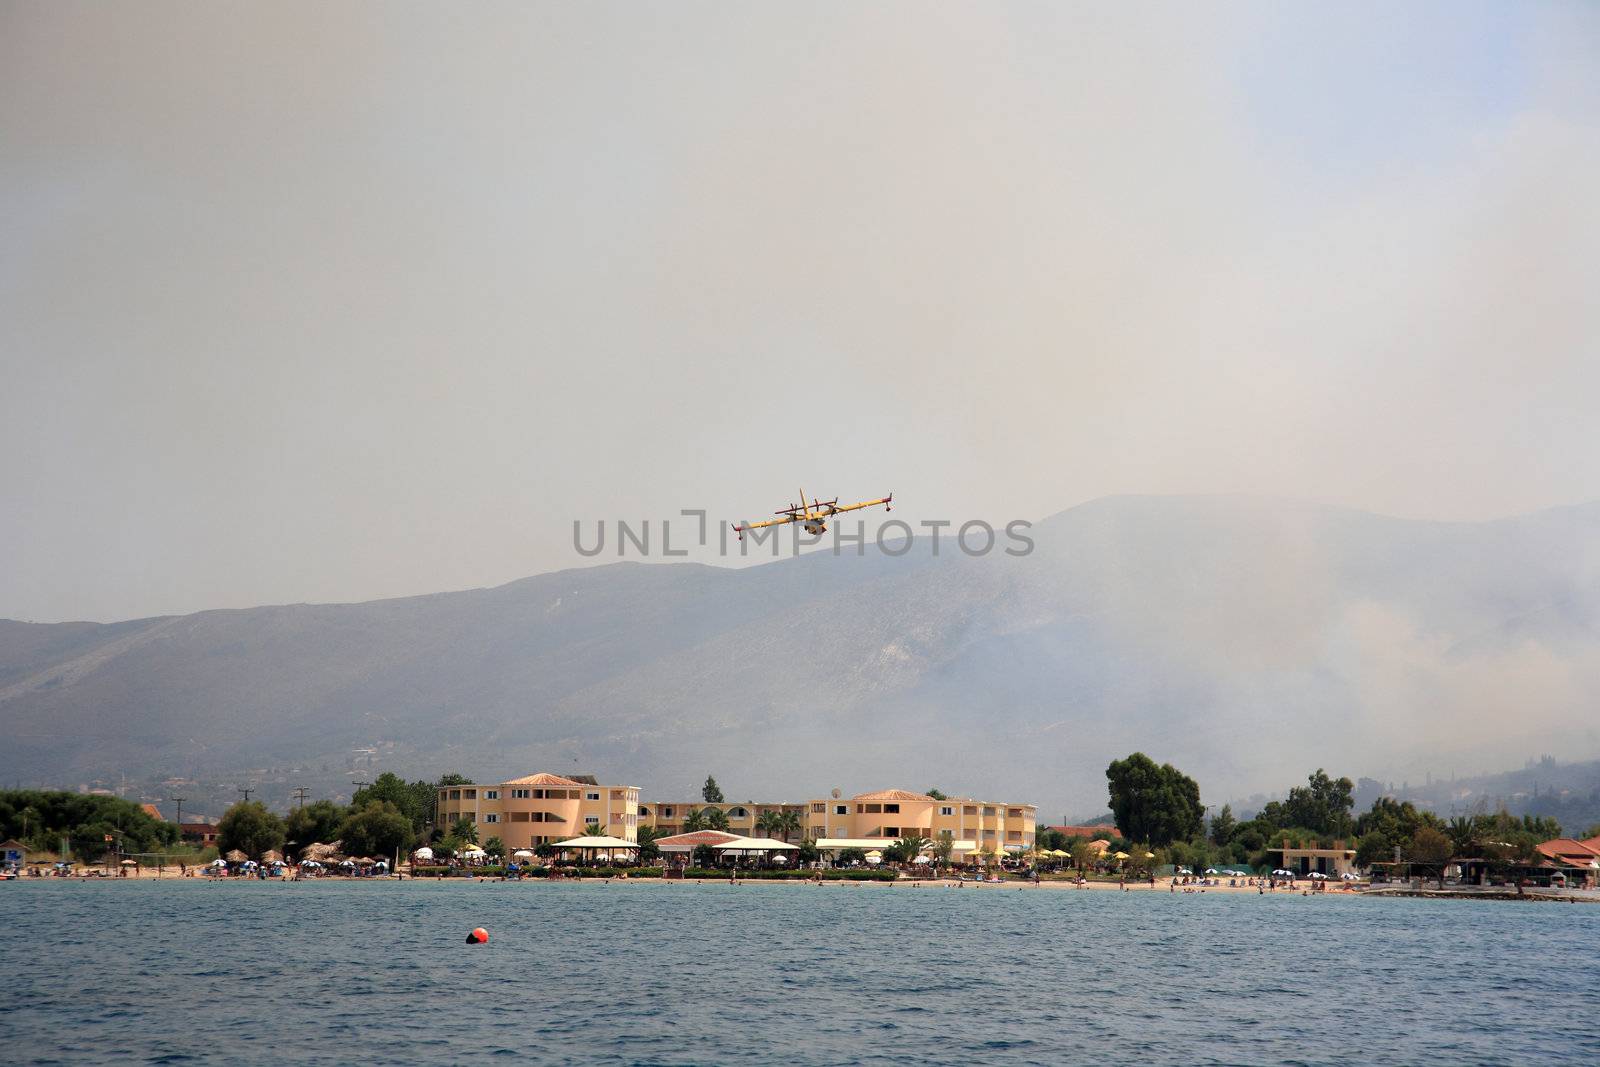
x: 343, y: 972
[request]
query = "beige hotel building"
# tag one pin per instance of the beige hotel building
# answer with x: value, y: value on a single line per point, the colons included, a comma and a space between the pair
x: 542, y: 809
x: 875, y: 819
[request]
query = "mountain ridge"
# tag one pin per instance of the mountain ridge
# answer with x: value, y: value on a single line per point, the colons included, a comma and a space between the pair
x: 1227, y: 634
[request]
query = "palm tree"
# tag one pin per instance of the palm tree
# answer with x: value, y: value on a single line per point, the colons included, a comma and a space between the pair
x: 594, y: 829
x: 465, y: 829
x: 788, y: 822
x: 769, y: 822
x: 693, y: 821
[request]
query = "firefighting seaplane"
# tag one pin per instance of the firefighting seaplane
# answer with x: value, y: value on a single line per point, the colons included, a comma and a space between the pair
x: 814, y: 515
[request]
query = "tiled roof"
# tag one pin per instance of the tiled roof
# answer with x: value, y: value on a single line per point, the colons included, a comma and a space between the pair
x: 1086, y: 830
x: 543, y: 779
x: 695, y: 838
x: 1567, y: 848
x: 891, y: 794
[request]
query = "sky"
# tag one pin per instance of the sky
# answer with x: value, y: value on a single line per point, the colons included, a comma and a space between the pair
x: 309, y: 302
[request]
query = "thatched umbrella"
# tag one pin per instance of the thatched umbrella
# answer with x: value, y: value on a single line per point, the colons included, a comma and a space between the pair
x: 233, y: 855
x: 271, y: 855
x: 320, y: 852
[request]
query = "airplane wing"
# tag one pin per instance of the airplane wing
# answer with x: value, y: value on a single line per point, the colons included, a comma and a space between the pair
x: 788, y: 518
x: 834, y: 510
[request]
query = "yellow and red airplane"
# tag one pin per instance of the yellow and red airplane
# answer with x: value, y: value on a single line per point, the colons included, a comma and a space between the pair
x: 813, y: 515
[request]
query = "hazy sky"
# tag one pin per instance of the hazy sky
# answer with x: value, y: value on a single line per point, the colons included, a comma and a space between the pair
x: 338, y: 301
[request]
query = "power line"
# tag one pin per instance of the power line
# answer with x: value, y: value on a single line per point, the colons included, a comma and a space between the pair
x: 300, y: 794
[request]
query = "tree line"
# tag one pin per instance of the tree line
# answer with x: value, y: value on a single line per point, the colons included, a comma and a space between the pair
x: 1159, y: 807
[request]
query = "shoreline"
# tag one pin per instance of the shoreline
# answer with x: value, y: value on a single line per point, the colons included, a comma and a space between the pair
x: 1165, y: 888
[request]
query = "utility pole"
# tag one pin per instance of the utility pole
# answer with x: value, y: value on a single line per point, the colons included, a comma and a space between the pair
x: 179, y: 817
x: 360, y: 786
x: 247, y: 790
x: 300, y: 794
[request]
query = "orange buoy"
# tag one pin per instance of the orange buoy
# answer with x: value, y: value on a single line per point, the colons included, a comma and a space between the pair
x: 479, y: 936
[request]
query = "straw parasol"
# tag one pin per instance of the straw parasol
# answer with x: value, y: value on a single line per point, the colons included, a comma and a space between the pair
x: 233, y: 855
x: 321, y: 852
x: 271, y: 855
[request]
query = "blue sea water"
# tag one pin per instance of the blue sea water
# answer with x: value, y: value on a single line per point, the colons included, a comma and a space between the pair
x: 352, y: 972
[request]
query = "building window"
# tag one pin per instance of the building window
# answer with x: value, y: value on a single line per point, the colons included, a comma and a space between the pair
x: 592, y: 820
x: 841, y: 809
x: 591, y: 796
x: 491, y: 817
x: 818, y: 809
x: 667, y: 812
x: 947, y: 811
x: 470, y: 794
x: 891, y: 809
x: 491, y: 794
x: 891, y: 831
x: 988, y: 813
x: 519, y: 794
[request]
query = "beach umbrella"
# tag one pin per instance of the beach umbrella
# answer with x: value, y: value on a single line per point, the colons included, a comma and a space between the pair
x: 1120, y: 856
x: 423, y: 853
x: 219, y: 862
x: 923, y: 859
x: 874, y: 856
x: 130, y: 863
x: 522, y: 854
x: 1211, y: 870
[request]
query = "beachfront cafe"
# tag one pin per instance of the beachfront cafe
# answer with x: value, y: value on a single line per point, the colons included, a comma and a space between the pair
x: 680, y: 848
x: 589, y: 847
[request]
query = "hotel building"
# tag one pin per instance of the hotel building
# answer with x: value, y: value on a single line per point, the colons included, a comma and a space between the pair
x: 542, y: 809
x: 875, y: 819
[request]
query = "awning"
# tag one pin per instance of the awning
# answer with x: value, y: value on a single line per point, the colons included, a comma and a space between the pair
x: 591, y: 843
x: 755, y: 844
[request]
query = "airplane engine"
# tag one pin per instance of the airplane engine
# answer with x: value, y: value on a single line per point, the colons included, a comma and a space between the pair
x: 816, y: 527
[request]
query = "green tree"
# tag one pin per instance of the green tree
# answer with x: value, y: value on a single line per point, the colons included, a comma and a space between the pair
x: 847, y: 856
x: 809, y: 852
x: 705, y: 819
x: 415, y: 800
x: 905, y: 849
x: 1155, y: 804
x: 494, y: 847
x: 788, y: 823
x: 318, y: 821
x: 649, y: 851
x: 452, y: 778
x: 704, y: 856
x: 1430, y: 849
x: 465, y: 830
x: 944, y: 846
x: 594, y: 829
x: 40, y: 818
x: 249, y: 827
x: 1323, y: 804
x: 377, y: 828
x: 937, y: 795
x: 710, y: 793
x: 1223, y: 826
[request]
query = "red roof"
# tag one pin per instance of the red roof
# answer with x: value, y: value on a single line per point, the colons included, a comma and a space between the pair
x: 694, y: 839
x: 1565, y: 848
x: 892, y: 794
x: 1100, y: 830
x: 151, y: 810
x: 543, y: 779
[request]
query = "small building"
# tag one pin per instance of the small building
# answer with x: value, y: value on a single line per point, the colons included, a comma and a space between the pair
x: 1579, y: 861
x: 13, y: 853
x: 203, y: 834
x: 1333, y: 862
